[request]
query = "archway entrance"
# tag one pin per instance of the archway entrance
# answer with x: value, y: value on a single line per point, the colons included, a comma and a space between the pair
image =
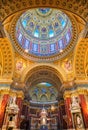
x: 47, y: 107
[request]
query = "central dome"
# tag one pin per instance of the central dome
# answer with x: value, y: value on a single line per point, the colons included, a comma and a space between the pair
x: 43, y: 31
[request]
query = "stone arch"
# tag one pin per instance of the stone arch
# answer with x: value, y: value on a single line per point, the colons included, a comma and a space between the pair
x: 52, y: 97
x: 80, y: 59
x: 10, y: 7
x: 34, y: 97
x: 57, y: 70
x: 43, y: 98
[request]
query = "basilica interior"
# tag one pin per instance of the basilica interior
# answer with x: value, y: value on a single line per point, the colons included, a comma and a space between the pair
x: 43, y: 64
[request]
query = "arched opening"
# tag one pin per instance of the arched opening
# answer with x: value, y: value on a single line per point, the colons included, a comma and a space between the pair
x: 43, y: 85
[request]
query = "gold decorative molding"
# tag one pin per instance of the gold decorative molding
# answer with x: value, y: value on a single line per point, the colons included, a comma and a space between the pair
x: 57, y: 70
x: 83, y: 91
x: 79, y: 59
x: 4, y: 91
x: 6, y: 81
x: 86, y: 63
x: 10, y: 92
x: 76, y: 92
x: 7, y: 59
x: 8, y: 8
x: 13, y: 93
x: 68, y: 84
x: 82, y: 82
x: 67, y: 94
x: 20, y: 94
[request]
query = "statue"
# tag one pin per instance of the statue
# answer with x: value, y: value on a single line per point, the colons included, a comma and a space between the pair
x: 78, y: 122
x: 14, y: 100
x: 43, y: 117
x: 75, y: 103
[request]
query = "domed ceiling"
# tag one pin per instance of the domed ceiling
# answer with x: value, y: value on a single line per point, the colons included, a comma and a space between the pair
x: 44, y: 34
x: 43, y: 31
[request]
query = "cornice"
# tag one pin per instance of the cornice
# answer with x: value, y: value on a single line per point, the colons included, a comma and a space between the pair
x: 10, y: 92
x: 78, y: 91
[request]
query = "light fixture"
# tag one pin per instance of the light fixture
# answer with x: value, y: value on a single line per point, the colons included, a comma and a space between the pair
x: 16, y: 83
x: 61, y: 50
x: 26, y: 50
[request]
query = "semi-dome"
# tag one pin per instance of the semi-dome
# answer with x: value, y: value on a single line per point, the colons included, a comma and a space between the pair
x: 43, y: 92
x: 43, y: 31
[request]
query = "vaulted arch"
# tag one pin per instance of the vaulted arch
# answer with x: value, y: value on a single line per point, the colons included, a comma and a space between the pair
x: 6, y: 59
x: 80, y: 59
x: 58, y: 71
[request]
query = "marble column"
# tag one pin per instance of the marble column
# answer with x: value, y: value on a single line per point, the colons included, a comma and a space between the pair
x: 25, y: 109
x: 83, y: 96
x: 61, y: 113
x: 67, y: 100
x: 19, y: 102
x: 3, y: 104
x: 4, y: 97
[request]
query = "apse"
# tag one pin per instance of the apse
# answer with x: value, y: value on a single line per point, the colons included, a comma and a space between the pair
x: 43, y: 93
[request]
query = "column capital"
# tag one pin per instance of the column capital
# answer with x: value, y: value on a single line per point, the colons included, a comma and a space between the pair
x: 5, y: 86
x: 20, y: 94
x: 83, y: 91
x: 68, y: 85
x: 67, y: 94
x: 4, y: 91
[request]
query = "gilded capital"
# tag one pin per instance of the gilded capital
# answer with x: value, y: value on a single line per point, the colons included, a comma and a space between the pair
x: 20, y: 94
x: 83, y: 91
x: 67, y: 94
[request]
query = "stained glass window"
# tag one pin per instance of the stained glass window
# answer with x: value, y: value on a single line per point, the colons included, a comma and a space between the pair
x: 36, y: 33
x: 52, y: 47
x: 24, y: 23
x: 51, y: 33
x: 35, y: 47
x: 61, y: 44
x: 20, y: 37
x: 26, y: 45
